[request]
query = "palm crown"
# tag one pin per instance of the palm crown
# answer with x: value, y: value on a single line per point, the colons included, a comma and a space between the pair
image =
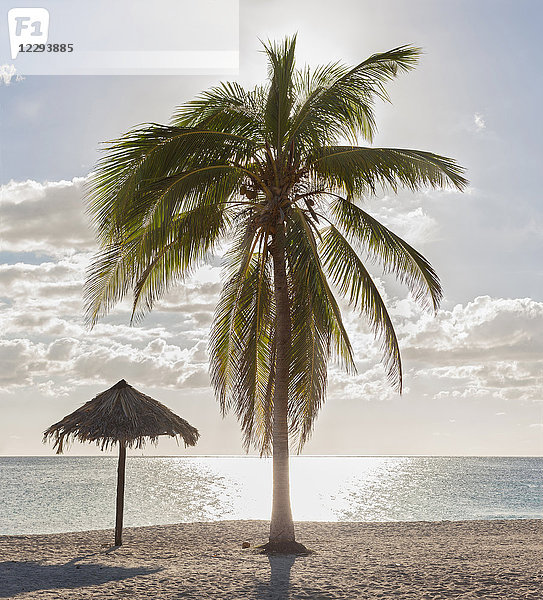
x: 277, y: 172
x: 267, y: 168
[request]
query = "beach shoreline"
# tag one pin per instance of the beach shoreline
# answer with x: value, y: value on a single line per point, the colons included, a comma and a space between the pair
x: 501, y: 559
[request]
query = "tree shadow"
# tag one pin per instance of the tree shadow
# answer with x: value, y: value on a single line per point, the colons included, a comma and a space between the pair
x: 29, y: 576
x: 279, y: 586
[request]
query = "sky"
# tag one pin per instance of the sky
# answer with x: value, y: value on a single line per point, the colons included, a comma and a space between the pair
x: 473, y: 373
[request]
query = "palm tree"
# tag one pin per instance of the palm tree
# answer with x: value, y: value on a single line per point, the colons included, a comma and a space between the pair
x: 277, y: 172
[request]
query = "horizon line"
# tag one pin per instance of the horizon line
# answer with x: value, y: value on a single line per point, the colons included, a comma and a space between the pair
x: 104, y: 455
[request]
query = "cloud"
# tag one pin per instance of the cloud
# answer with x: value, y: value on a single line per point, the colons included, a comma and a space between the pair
x: 67, y: 363
x: 47, y: 347
x: 7, y: 73
x: 479, y: 122
x: 18, y: 357
x: 416, y: 226
x: 489, y: 327
x: 46, y: 218
x: 487, y: 347
x: 483, y: 349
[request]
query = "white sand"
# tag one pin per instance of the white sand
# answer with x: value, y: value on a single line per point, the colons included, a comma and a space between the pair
x: 467, y: 559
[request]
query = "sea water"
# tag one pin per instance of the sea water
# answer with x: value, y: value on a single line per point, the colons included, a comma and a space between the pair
x: 57, y: 494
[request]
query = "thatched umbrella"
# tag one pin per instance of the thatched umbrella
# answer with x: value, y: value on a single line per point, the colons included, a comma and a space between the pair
x: 125, y: 416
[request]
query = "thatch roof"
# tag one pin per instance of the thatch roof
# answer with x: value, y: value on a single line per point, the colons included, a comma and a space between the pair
x: 120, y: 414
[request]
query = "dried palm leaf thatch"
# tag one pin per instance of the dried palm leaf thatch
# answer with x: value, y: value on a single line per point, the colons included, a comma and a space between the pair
x: 123, y: 415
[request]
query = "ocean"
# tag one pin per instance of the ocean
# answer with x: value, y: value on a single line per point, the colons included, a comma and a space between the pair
x: 71, y: 493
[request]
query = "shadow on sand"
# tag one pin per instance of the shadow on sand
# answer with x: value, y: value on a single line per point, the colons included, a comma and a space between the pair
x: 279, y: 586
x: 29, y: 576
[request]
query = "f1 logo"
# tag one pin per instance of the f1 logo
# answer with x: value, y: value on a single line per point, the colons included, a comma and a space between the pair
x: 27, y: 26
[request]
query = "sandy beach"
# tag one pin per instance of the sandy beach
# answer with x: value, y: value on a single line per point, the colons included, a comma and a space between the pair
x: 465, y: 559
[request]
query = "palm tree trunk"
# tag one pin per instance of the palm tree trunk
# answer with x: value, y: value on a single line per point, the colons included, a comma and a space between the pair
x: 120, y: 495
x: 282, y: 525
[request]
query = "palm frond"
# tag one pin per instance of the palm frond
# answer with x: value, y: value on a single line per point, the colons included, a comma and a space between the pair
x: 354, y: 282
x: 317, y: 330
x: 241, y: 345
x: 110, y: 276
x: 158, y: 243
x: 396, y: 255
x: 303, y: 260
x: 194, y: 235
x: 225, y: 108
x: 357, y: 170
x: 150, y: 153
x: 280, y: 94
x: 310, y: 353
x: 338, y: 101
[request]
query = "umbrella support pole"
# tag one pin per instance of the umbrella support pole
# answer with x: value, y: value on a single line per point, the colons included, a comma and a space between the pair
x: 120, y: 495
